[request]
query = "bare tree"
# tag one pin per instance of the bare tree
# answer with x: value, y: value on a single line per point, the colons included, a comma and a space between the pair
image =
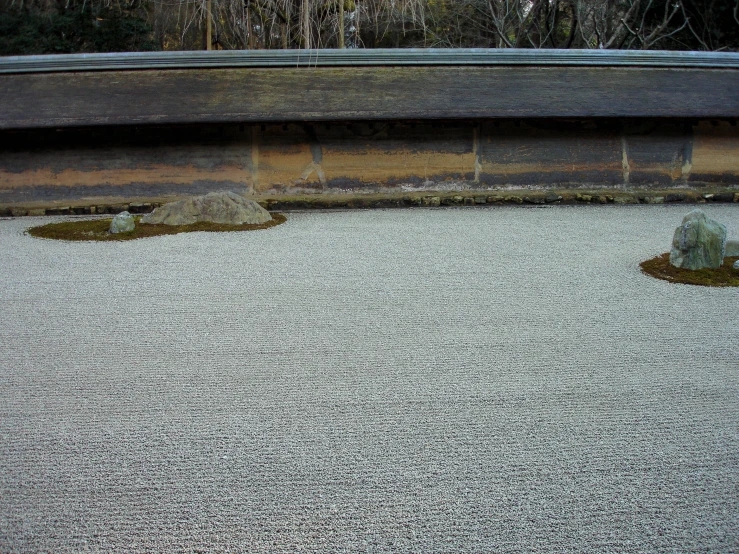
x: 608, y: 24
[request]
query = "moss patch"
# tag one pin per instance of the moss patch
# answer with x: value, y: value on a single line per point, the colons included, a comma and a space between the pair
x: 724, y: 276
x: 97, y: 229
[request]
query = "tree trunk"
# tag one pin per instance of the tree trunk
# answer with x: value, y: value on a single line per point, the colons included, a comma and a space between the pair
x: 208, y: 25
x: 306, y: 24
x: 341, y: 24
x: 250, y: 28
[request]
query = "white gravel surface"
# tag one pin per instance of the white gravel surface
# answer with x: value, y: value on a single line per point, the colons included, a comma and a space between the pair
x: 456, y: 380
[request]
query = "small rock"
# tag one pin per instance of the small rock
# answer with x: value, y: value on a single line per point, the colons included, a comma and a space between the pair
x: 480, y: 200
x: 675, y: 197
x: 431, y: 201
x: 583, y: 197
x: 122, y: 223
x: 736, y: 265
x: 552, y: 197
x: 654, y: 200
x: 534, y: 199
x: 37, y: 211
x: 698, y: 242
x: 452, y: 200
x: 626, y: 199
x: 736, y: 197
x: 217, y: 207
x: 732, y: 248
x: 469, y: 201
x: 723, y: 197
x: 514, y: 199
x: 495, y: 199
x: 18, y: 212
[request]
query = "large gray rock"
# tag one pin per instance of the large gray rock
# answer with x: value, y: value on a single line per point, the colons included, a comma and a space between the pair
x: 732, y: 248
x: 736, y: 264
x: 218, y: 207
x: 122, y: 223
x: 699, y: 242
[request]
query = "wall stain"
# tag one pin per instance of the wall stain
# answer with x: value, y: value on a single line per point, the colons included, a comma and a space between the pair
x: 625, y: 159
x: 687, y: 153
x: 476, y: 150
x: 254, y: 159
x: 317, y: 153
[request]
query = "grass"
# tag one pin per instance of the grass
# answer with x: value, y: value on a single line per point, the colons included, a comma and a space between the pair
x: 724, y: 276
x: 97, y: 229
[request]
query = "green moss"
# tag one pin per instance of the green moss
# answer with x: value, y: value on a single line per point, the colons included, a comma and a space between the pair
x: 724, y: 276
x: 97, y: 229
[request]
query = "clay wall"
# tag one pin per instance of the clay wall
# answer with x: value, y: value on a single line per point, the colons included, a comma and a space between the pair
x: 106, y: 164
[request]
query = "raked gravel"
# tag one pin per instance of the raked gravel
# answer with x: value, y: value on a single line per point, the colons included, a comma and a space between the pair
x: 454, y: 380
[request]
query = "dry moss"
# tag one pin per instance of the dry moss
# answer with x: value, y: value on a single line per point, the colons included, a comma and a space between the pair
x: 97, y: 229
x: 724, y: 276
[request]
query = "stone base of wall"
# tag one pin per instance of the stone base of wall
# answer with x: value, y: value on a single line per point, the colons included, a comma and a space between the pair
x: 521, y: 197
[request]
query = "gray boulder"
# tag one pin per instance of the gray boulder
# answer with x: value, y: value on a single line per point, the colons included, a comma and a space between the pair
x: 736, y: 264
x: 732, y: 248
x: 217, y: 207
x: 699, y: 242
x: 122, y: 223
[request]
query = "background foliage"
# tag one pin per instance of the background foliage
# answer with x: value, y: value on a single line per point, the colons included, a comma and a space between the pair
x: 57, y: 26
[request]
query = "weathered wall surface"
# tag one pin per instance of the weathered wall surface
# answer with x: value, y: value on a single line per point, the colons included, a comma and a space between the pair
x: 46, y: 166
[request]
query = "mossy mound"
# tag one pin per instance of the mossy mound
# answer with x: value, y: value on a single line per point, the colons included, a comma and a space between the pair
x: 724, y: 276
x: 97, y: 229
